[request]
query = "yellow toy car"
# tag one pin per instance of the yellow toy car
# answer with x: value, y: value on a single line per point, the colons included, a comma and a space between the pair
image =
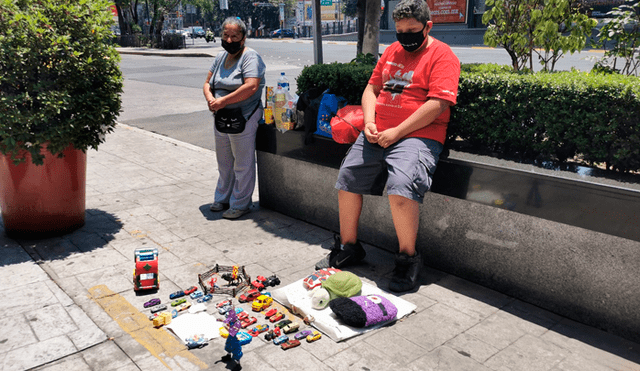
x: 315, y: 335
x: 261, y: 302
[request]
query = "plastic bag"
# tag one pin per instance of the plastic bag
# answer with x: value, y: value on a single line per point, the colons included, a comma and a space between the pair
x: 347, y: 124
x: 328, y: 107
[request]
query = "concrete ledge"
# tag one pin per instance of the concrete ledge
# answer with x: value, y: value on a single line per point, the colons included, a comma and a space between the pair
x: 568, y: 245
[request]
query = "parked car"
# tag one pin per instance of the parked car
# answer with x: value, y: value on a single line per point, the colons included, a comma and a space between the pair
x: 280, y: 32
x: 196, y: 31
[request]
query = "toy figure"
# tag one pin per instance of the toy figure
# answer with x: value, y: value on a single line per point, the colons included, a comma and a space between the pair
x: 233, y: 346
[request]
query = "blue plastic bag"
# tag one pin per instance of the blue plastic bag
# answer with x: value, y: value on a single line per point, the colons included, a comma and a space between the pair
x: 328, y: 108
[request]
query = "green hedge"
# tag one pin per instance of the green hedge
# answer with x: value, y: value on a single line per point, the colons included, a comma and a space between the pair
x: 594, y: 118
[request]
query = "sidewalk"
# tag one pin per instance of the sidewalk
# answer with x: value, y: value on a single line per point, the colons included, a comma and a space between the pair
x: 68, y: 302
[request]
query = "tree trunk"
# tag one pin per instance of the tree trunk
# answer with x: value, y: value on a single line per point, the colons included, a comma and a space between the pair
x: 371, y: 40
x: 360, y: 7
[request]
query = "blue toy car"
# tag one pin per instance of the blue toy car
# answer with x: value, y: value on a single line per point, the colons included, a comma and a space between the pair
x: 243, y: 337
x: 280, y: 339
x: 196, y: 294
x: 177, y: 294
x: 205, y: 298
x: 196, y: 341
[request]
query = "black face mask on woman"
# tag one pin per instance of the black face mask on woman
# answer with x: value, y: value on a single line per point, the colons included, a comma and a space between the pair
x: 411, y: 41
x: 231, y: 47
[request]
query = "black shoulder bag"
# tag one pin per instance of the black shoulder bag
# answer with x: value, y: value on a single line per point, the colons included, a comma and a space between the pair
x: 229, y: 120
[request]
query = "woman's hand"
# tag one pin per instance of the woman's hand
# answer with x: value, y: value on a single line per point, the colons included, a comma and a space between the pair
x: 210, y: 103
x: 217, y: 104
x: 371, y: 132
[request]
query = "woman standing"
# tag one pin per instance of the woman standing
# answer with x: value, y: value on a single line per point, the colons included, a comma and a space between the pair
x: 233, y: 90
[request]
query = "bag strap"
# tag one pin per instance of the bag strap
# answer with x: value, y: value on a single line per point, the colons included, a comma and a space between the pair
x: 348, y: 122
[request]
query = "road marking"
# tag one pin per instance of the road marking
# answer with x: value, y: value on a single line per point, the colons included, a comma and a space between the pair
x: 158, y: 342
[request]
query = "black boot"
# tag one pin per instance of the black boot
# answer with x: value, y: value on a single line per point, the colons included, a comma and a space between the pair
x: 406, y: 272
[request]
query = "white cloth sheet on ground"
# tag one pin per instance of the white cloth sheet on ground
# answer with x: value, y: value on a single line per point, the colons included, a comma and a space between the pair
x: 188, y: 324
x: 325, y: 320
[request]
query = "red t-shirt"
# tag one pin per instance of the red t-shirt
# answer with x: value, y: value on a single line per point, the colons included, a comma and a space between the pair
x: 410, y: 79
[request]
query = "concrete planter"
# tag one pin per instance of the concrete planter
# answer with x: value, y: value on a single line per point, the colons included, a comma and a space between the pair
x: 567, y: 241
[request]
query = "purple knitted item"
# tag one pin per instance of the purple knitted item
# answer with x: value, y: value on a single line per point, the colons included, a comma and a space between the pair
x: 363, y: 311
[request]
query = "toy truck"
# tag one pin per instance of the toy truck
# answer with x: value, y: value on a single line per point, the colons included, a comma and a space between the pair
x: 145, y: 274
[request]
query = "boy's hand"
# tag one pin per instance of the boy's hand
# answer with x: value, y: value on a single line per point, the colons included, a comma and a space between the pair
x: 371, y: 132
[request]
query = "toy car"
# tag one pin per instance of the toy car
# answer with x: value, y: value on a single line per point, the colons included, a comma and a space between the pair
x: 282, y: 323
x: 249, y: 296
x: 272, y: 334
x: 258, y: 285
x: 314, y: 280
x: 239, y: 310
x: 292, y: 327
x: 177, y: 294
x: 158, y: 308
x: 261, y: 302
x: 290, y: 344
x: 205, y: 298
x: 145, y: 273
x: 196, y: 341
x: 248, y: 322
x: 224, y: 309
x: 223, y: 303
x: 174, y: 313
x: 276, y: 317
x: 243, y: 337
x: 183, y: 307
x: 302, y: 334
x: 196, y: 294
x: 243, y: 315
x: 258, y: 329
x: 280, y: 339
x: 177, y: 302
x: 270, y: 313
x: 152, y: 302
x: 272, y: 281
x: 315, y: 335
x: 190, y: 290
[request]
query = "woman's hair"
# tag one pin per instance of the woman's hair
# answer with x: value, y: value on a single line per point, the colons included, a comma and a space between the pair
x: 416, y: 9
x: 235, y: 21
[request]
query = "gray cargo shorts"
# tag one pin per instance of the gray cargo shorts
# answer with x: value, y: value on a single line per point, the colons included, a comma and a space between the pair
x: 405, y: 168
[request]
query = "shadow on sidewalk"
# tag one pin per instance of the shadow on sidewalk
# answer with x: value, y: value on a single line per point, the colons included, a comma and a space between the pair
x: 99, y: 229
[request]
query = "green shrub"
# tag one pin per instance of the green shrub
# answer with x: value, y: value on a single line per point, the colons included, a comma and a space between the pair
x: 344, y: 79
x: 525, y: 116
x: 59, y: 77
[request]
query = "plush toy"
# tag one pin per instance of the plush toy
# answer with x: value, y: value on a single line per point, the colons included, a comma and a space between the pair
x: 315, y: 280
x: 339, y: 285
x: 363, y: 311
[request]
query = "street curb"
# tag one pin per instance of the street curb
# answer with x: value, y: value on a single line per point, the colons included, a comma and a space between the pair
x: 198, y: 55
x: 166, y: 138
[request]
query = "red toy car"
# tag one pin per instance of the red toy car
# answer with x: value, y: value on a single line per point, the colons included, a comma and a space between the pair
x: 290, y: 344
x: 145, y: 274
x: 190, y: 290
x: 248, y: 322
x: 270, y: 313
x: 276, y: 317
x: 223, y: 303
x: 243, y: 315
x: 249, y: 296
x: 258, y: 285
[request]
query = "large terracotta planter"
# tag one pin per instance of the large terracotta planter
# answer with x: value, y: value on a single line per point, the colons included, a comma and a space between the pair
x: 43, y: 200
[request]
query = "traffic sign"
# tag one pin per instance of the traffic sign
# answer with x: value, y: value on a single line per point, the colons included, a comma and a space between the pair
x: 326, y: 2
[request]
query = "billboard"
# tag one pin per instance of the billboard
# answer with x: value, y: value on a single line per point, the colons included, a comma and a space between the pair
x: 448, y: 11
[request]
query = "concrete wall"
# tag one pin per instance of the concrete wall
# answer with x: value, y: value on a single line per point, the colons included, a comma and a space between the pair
x: 586, y: 275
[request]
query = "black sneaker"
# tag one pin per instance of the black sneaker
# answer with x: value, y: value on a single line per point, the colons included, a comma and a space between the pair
x: 406, y: 272
x: 351, y: 253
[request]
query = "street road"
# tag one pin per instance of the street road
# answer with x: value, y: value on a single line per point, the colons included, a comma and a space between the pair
x: 164, y: 94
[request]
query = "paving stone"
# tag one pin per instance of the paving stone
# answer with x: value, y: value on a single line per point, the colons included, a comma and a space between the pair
x: 502, y: 329
x: 51, y: 321
x: 395, y: 345
x: 528, y: 353
x: 15, y: 332
x: 32, y: 296
x: 575, y: 362
x: 38, y: 353
x: 62, y: 297
x: 90, y: 261
x: 363, y: 356
x: 434, y: 326
x: 19, y: 274
x: 106, y: 356
x: 88, y: 333
x: 71, y: 363
x: 112, y: 276
x: 446, y: 359
x: 472, y: 347
x: 297, y: 358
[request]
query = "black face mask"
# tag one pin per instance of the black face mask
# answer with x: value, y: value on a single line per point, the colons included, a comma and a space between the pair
x: 231, y: 47
x: 411, y: 41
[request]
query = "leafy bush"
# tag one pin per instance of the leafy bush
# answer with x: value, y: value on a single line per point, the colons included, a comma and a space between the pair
x: 525, y: 116
x: 344, y: 79
x: 59, y: 78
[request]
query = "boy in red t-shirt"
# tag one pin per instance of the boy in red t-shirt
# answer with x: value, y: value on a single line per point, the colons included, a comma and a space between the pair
x: 406, y: 111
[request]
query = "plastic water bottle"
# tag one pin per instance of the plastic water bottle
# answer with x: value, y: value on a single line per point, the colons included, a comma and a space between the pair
x: 283, y: 82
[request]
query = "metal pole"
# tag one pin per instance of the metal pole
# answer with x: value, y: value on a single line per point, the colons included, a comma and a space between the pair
x: 317, y: 33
